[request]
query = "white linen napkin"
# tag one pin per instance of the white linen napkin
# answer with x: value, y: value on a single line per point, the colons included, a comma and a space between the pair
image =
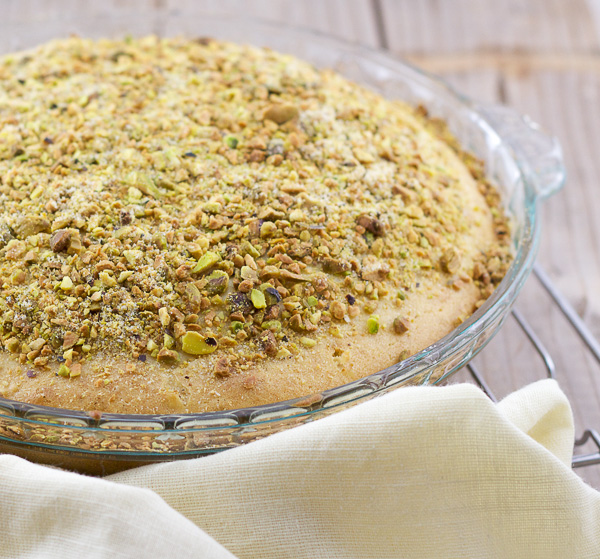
x: 423, y: 472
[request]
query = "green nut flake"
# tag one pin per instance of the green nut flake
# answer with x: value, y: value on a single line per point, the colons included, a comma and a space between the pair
x: 373, y: 324
x: 308, y: 342
x: 195, y: 344
x: 105, y: 277
x: 247, y: 273
x: 258, y: 299
x: 212, y: 207
x: 217, y: 282
x: 13, y: 345
x: 64, y: 371
x: 236, y: 326
x: 248, y: 248
x: 168, y: 341
x: 231, y: 141
x: 160, y: 241
x: 207, y: 260
x: 312, y: 301
x: 273, y: 325
x: 133, y: 256
x: 66, y: 284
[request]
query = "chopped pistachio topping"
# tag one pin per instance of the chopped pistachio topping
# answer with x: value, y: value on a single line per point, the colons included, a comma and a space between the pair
x: 178, y: 198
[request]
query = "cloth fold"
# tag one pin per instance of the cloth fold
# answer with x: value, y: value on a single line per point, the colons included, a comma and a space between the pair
x: 421, y: 472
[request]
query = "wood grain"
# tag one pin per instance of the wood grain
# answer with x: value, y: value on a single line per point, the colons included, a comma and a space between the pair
x: 458, y: 26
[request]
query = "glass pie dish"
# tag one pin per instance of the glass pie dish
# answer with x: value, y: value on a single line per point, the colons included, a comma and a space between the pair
x: 524, y: 163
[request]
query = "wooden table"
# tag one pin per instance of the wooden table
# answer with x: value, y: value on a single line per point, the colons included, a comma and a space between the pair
x: 541, y: 57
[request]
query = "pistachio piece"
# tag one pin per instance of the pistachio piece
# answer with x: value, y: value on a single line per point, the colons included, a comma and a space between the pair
x: 31, y: 225
x: 208, y: 260
x: 334, y: 266
x: 5, y: 235
x: 258, y: 299
x: 247, y: 273
x: 371, y: 224
x: 268, y: 342
x: 70, y: 339
x: 450, y: 260
x: 222, y: 367
x: 296, y: 323
x: 66, y: 284
x: 267, y: 229
x: 272, y: 295
x: 283, y: 353
x: 107, y: 279
x: 272, y: 325
x: 236, y: 326
x: 217, y: 282
x: 280, y: 112
x: 167, y: 356
x: 163, y: 315
x: 238, y: 302
x: 231, y: 141
x: 373, y: 324
x: 338, y: 310
x: 168, y: 341
x: 37, y: 344
x: 60, y: 240
x: 401, y: 325
x: 377, y: 271
x: 13, y: 345
x: 212, y: 207
x: 133, y: 256
x: 195, y: 344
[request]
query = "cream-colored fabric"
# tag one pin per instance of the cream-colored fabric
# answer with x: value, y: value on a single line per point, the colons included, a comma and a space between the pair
x: 418, y: 473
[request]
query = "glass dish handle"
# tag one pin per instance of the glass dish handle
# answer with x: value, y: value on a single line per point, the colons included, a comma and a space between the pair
x: 539, y: 154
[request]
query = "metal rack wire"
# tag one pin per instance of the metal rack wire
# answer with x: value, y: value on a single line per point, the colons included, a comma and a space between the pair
x: 579, y: 460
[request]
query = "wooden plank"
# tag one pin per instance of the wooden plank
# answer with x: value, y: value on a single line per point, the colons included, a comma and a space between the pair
x: 567, y: 104
x: 353, y: 20
x: 41, y: 20
x: 431, y: 26
x: 32, y: 22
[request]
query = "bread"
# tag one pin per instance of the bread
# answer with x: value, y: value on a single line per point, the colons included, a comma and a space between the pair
x: 190, y: 226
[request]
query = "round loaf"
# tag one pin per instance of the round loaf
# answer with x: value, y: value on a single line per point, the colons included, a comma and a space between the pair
x: 189, y: 226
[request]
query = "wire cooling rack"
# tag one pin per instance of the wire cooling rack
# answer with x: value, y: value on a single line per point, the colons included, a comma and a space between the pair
x: 589, y: 435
